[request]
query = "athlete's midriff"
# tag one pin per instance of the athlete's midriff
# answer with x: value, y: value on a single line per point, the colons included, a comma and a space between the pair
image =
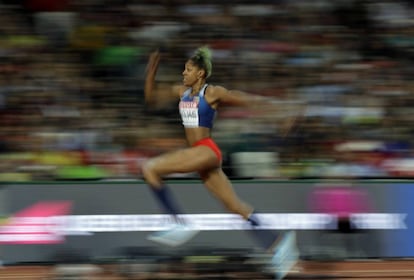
x: 196, y: 134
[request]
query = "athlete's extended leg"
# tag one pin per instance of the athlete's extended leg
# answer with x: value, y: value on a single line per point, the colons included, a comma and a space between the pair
x: 283, y: 247
x: 220, y: 186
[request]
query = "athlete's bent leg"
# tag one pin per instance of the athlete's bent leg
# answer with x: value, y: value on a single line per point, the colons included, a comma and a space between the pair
x: 180, y: 161
x: 186, y: 160
x: 161, y: 192
x: 220, y: 186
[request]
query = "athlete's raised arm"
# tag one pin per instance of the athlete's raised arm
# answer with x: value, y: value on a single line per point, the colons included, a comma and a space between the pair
x: 153, y: 92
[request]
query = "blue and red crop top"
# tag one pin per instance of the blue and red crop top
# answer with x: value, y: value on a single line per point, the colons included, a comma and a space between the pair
x: 195, y: 111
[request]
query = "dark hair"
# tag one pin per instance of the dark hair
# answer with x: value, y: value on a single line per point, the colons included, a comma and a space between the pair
x: 202, y: 59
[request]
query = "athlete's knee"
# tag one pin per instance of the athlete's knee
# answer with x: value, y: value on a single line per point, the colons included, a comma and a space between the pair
x: 148, y: 169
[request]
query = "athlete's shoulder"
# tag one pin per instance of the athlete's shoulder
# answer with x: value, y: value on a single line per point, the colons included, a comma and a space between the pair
x: 215, y: 90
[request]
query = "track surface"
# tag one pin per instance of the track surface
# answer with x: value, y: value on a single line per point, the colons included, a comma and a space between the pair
x: 361, y: 269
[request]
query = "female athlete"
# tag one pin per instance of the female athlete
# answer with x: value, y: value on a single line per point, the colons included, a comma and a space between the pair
x: 198, y: 104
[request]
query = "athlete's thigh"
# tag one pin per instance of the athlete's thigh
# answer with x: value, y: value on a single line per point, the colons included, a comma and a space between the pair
x: 192, y: 159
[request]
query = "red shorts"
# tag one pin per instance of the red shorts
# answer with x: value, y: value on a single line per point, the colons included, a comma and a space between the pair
x: 212, y: 145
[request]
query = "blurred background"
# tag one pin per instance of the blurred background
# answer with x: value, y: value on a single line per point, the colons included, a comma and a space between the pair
x: 72, y: 107
x: 72, y: 71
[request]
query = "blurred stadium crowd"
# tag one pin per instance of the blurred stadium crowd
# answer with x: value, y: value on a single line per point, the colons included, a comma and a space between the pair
x: 71, y: 85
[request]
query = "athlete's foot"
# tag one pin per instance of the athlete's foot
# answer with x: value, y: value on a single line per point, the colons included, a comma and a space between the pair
x: 175, y: 236
x: 285, y: 255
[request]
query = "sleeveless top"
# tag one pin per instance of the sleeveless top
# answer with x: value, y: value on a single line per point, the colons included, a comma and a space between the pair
x: 195, y: 111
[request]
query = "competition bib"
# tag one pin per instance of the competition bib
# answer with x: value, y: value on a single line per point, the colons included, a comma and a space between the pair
x: 189, y: 113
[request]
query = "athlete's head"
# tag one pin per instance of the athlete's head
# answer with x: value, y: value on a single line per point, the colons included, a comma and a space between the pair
x: 198, y: 66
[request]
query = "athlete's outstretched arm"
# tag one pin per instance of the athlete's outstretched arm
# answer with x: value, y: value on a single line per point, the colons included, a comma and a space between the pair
x: 287, y: 112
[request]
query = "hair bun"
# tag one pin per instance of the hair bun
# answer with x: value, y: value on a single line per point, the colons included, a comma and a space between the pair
x: 202, y: 56
x: 204, y: 52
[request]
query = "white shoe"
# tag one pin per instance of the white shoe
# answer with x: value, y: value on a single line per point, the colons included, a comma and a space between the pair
x: 175, y: 236
x: 286, y: 255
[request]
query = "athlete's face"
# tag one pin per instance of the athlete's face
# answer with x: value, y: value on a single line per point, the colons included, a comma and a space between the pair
x: 191, y: 74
